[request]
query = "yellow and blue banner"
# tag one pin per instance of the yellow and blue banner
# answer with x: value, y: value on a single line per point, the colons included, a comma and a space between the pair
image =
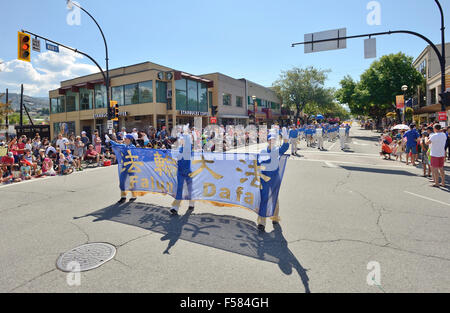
x: 224, y: 179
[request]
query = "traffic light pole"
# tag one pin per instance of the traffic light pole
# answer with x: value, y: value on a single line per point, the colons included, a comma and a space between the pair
x: 440, y: 55
x: 432, y: 45
x: 108, y: 98
x: 71, y: 49
x: 443, y: 104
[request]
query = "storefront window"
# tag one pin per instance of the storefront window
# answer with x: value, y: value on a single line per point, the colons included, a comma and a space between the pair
x: 203, y: 97
x: 181, y: 94
x: 146, y: 92
x: 226, y: 99
x: 433, y: 96
x: 210, y: 96
x: 71, y: 102
x: 65, y: 128
x: 62, y: 104
x: 100, y: 96
x: 54, y: 103
x: 192, y: 96
x: 131, y: 94
x: 161, y: 92
x: 86, y: 99
x: 117, y: 95
x: 238, y: 101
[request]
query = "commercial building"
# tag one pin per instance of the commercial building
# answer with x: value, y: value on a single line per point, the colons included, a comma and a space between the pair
x: 236, y: 100
x: 149, y: 94
x: 426, y: 103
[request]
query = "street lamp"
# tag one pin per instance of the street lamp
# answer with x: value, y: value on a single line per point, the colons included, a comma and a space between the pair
x: 70, y: 5
x: 254, y: 108
x: 404, y: 88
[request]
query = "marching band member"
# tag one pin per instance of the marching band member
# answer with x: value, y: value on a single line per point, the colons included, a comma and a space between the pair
x: 184, y: 169
x: 342, y: 136
x: 129, y: 143
x: 319, y: 136
x: 293, y: 139
x: 272, y: 171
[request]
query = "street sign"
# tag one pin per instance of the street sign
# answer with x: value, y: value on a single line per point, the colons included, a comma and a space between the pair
x: 36, y: 44
x: 442, y: 116
x: 51, y: 47
x: 110, y: 124
x: 213, y: 120
x: 400, y: 100
x: 370, y: 48
x: 326, y: 45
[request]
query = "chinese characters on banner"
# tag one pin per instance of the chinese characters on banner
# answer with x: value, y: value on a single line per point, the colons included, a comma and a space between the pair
x: 228, y: 179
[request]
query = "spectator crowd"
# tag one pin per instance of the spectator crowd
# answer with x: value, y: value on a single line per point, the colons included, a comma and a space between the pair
x: 428, y: 146
x: 26, y: 158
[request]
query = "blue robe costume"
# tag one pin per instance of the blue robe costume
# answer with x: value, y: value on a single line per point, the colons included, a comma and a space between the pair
x: 275, y: 179
x: 124, y: 174
x: 184, y: 169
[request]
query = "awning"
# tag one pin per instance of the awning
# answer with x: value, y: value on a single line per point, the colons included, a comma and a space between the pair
x: 429, y: 109
x: 76, y: 87
x: 233, y: 116
x: 182, y: 75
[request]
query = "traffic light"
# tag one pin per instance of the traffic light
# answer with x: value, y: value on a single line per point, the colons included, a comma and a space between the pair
x: 113, y: 111
x: 116, y: 112
x: 445, y: 98
x: 213, y: 110
x: 24, y: 47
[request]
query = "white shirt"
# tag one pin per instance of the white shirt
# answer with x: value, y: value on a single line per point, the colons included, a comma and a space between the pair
x: 61, y: 143
x: 135, y: 135
x: 438, y: 141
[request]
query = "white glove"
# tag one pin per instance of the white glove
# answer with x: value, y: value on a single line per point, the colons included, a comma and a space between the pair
x: 107, y: 139
x: 285, y: 134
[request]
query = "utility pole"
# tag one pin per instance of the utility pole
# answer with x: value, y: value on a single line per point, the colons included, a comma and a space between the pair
x: 442, y: 54
x: 108, y: 98
x: 6, y: 119
x: 21, y: 106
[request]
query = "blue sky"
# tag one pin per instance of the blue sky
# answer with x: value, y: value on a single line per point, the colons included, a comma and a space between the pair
x: 245, y: 38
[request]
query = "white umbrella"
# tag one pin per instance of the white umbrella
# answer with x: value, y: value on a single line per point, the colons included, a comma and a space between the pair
x: 401, y: 127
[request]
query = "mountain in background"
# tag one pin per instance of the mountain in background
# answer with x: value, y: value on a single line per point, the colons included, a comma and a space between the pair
x: 32, y: 103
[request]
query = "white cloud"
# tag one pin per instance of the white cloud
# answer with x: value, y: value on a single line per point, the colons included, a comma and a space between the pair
x: 44, y: 73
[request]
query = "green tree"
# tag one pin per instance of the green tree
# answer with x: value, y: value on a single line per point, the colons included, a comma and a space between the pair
x: 14, y: 119
x: 5, y: 109
x: 384, y: 79
x: 374, y: 95
x: 352, y: 95
x: 300, y: 87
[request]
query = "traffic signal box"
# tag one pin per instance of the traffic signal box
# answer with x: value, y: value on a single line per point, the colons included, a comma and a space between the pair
x: 113, y: 111
x: 213, y: 110
x: 24, y: 47
x: 445, y: 98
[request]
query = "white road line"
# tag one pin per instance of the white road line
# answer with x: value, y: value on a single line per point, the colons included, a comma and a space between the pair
x: 49, y: 177
x: 372, y: 155
x: 426, y: 198
x: 332, y: 146
x: 25, y: 182
x: 354, y: 163
x: 329, y: 164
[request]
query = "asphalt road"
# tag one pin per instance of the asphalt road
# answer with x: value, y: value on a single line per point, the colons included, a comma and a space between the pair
x: 339, y: 210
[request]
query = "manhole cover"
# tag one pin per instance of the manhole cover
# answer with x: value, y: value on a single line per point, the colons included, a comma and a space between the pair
x: 88, y: 256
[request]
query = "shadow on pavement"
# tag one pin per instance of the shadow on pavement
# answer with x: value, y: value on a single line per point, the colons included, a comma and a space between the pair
x: 377, y: 170
x: 374, y: 139
x: 227, y: 233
